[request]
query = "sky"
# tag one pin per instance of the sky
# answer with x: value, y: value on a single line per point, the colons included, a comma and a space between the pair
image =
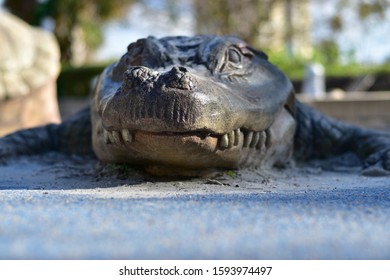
x: 370, y: 41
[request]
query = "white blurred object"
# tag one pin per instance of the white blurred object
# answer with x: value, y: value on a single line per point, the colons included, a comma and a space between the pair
x: 314, y: 81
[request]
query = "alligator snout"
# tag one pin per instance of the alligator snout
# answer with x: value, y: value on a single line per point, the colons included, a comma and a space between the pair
x: 142, y: 77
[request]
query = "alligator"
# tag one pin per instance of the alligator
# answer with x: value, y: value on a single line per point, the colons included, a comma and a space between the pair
x: 186, y: 105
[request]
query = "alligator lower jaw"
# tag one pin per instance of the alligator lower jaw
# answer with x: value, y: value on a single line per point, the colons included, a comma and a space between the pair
x: 241, y: 138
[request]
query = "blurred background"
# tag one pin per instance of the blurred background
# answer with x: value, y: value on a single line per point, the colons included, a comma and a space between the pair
x: 343, y: 43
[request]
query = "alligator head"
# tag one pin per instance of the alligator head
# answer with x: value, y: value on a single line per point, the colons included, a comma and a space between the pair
x: 191, y: 103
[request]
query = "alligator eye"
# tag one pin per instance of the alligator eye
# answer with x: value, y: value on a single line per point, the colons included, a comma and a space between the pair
x: 232, y: 61
x: 234, y: 57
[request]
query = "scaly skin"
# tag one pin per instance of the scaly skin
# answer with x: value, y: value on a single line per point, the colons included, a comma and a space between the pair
x: 321, y: 137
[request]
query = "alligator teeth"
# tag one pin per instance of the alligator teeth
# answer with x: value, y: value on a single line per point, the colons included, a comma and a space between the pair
x: 111, y: 137
x: 261, y: 142
x: 105, y: 137
x: 255, y: 139
x: 117, y: 137
x: 224, y: 143
x: 127, y: 136
x: 237, y: 135
x: 230, y: 139
x: 248, y: 139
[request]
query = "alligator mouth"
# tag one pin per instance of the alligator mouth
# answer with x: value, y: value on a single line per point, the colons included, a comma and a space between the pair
x: 240, y: 137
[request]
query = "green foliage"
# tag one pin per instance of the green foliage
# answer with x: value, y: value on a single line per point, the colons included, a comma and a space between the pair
x: 230, y: 173
x: 294, y: 67
x: 77, y: 81
x: 94, y: 36
x: 354, y: 69
x: 119, y: 167
x: 376, y: 8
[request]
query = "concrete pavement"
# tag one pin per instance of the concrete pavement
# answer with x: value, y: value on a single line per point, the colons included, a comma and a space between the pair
x: 61, y: 210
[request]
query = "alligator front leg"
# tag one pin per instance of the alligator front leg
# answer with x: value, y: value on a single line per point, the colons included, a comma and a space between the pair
x: 28, y: 142
x: 318, y: 136
x: 71, y: 137
x: 374, y: 148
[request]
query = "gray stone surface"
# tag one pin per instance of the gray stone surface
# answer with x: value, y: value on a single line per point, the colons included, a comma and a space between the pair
x: 71, y: 208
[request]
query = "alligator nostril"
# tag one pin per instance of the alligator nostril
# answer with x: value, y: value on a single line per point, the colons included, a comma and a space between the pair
x: 179, y: 77
x: 178, y: 70
x: 139, y: 76
x: 183, y: 69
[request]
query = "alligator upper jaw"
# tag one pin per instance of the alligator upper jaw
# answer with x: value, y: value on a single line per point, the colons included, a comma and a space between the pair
x: 179, y: 101
x: 172, y: 104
